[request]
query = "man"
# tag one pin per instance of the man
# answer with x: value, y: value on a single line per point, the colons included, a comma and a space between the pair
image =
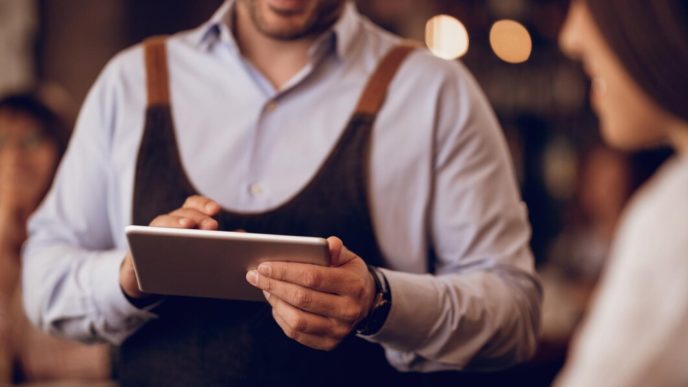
x: 246, y: 123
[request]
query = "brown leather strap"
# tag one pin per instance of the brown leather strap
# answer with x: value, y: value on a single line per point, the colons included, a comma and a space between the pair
x: 376, y: 90
x: 157, y: 78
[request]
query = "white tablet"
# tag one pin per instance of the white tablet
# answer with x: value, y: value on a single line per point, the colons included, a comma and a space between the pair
x: 213, y: 264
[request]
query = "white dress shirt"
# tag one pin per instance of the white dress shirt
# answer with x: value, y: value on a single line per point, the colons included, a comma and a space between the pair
x: 637, y: 331
x: 440, y: 178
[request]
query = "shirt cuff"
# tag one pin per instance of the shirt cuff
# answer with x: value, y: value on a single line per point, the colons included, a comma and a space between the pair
x: 119, y: 318
x: 412, y: 314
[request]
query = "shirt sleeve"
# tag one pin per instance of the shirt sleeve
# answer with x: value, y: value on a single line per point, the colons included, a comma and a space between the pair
x: 480, y: 308
x: 70, y: 264
x: 635, y: 334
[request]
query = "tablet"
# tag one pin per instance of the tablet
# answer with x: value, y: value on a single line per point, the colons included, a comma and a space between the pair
x: 200, y: 263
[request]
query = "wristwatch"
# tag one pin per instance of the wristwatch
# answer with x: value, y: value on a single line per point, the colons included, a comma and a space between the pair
x: 382, y: 303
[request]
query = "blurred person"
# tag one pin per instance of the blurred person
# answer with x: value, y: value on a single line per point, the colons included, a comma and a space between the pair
x: 604, y: 190
x: 577, y: 256
x: 604, y: 186
x: 247, y: 123
x: 32, y: 140
x: 637, y: 331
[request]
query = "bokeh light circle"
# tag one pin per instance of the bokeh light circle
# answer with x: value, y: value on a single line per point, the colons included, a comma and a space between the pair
x: 446, y: 37
x: 511, y: 41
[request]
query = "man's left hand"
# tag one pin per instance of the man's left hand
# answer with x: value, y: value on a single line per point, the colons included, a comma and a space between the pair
x: 315, y: 305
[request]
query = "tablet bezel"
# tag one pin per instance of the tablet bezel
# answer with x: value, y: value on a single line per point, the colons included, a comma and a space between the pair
x: 212, y: 264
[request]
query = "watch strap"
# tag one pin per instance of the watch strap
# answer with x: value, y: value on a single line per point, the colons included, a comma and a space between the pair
x: 382, y: 304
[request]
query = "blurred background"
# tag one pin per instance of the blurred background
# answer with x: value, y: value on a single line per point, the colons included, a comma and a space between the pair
x: 574, y: 186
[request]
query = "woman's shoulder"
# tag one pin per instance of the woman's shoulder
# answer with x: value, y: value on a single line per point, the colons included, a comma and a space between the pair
x: 655, y: 225
x: 665, y: 196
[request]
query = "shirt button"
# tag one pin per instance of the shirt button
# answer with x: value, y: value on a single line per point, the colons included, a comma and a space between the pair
x: 271, y: 106
x: 255, y: 189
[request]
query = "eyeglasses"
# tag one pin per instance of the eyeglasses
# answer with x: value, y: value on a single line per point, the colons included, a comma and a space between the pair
x: 28, y: 142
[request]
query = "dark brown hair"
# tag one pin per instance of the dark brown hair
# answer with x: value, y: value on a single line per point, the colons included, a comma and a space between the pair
x: 650, y: 37
x: 52, y: 125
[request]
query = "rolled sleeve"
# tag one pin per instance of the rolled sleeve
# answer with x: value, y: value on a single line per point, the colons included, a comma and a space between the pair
x: 477, y: 320
x: 118, y: 317
x: 86, y: 301
x: 479, y: 307
x: 413, y: 296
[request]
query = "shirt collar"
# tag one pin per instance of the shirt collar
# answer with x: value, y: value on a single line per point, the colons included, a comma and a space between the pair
x: 218, y: 28
x: 345, y: 30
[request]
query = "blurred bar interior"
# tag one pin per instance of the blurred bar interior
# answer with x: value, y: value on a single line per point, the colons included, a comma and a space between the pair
x: 574, y: 186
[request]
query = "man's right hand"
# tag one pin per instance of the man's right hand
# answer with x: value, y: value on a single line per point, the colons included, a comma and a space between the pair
x: 197, y: 212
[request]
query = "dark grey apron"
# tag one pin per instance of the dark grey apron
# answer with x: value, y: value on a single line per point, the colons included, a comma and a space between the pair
x: 207, y: 342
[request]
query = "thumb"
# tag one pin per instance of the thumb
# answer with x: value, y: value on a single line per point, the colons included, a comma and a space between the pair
x: 339, y: 254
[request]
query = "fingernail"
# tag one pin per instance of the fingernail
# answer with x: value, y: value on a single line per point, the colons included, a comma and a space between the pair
x: 211, y: 207
x: 252, y: 277
x: 265, y: 269
x: 184, y: 222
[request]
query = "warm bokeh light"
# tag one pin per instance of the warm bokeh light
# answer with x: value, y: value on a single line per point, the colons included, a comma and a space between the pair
x: 446, y: 37
x: 511, y: 41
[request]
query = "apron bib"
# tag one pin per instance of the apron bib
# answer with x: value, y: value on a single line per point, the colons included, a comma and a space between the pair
x: 209, y: 342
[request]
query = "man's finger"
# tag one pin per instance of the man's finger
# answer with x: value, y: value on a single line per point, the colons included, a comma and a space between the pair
x: 323, y: 304
x: 305, y: 322
x: 200, y: 219
x: 326, y: 279
x: 202, y: 204
x: 339, y: 254
x: 171, y: 221
x: 322, y: 343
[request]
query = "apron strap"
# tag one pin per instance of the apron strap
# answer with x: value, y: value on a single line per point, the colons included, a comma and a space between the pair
x: 157, y: 78
x: 375, y: 91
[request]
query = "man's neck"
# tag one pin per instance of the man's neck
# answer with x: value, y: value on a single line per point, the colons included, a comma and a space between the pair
x: 277, y: 60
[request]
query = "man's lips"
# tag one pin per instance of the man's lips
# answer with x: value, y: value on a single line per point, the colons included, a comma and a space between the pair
x: 287, y: 6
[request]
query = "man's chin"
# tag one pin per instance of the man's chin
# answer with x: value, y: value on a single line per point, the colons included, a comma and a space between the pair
x: 290, y: 20
x: 286, y: 34
x: 285, y: 27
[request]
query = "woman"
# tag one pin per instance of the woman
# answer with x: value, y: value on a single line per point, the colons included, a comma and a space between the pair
x: 32, y: 140
x: 636, y: 52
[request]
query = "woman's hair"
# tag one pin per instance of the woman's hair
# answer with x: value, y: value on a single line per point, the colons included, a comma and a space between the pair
x: 52, y: 126
x: 650, y: 37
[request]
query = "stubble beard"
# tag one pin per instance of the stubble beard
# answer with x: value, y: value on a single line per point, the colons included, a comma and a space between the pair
x: 320, y: 19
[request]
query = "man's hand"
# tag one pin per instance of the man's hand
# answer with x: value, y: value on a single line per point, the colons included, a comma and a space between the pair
x: 314, y: 305
x: 20, y: 191
x: 197, y: 212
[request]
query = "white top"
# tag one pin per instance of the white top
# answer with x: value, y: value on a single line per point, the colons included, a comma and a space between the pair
x: 637, y: 331
x: 439, y: 176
